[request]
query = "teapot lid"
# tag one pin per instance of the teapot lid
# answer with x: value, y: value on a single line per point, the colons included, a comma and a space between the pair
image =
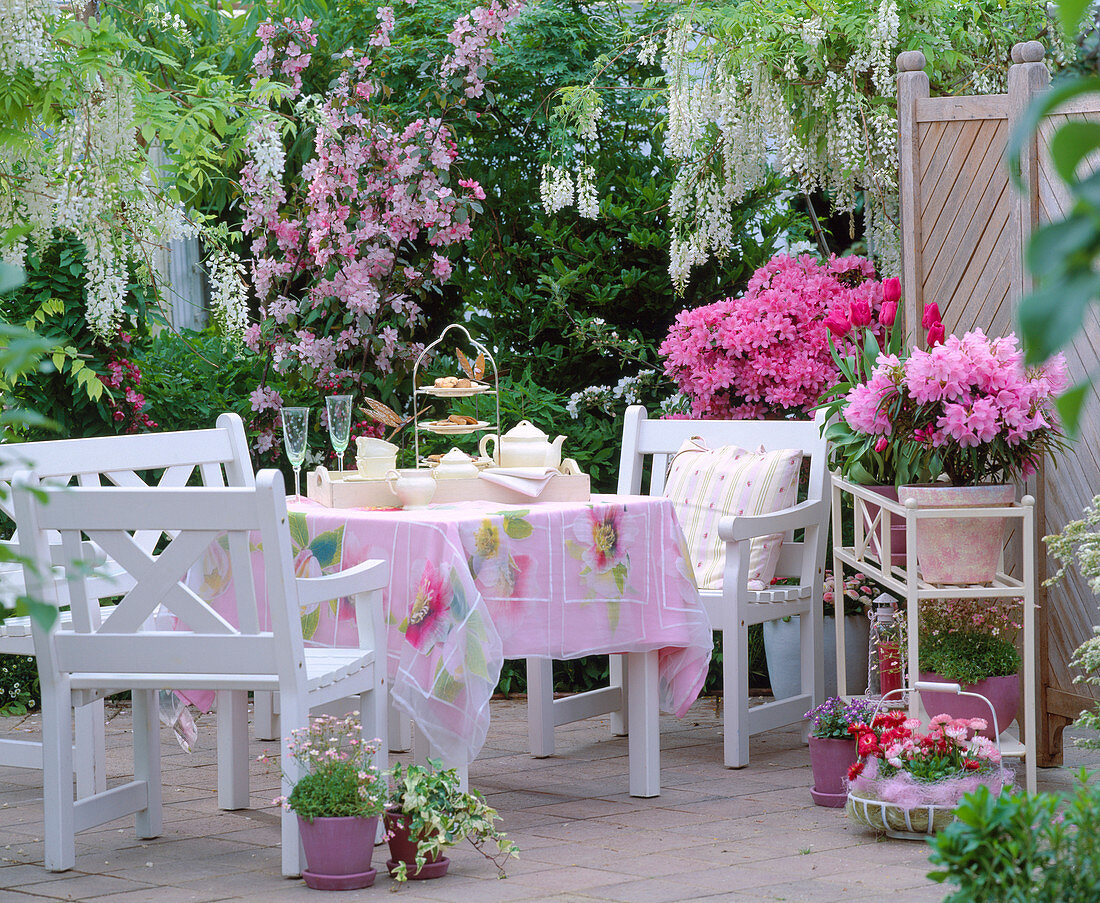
x: 455, y: 455
x: 525, y: 429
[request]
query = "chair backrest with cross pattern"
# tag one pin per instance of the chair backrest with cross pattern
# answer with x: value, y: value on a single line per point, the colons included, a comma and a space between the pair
x: 198, y: 647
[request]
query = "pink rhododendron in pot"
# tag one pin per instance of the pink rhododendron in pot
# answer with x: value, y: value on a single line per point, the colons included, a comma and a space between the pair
x: 766, y: 353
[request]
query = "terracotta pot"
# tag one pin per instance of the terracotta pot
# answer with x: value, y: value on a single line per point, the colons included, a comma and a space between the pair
x: 897, y: 526
x: 830, y: 760
x: 959, y: 550
x: 889, y: 667
x: 403, y: 849
x: 338, y: 852
x: 1002, y: 692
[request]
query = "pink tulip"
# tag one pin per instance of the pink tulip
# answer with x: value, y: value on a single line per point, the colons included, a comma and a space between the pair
x: 860, y: 314
x: 931, y: 315
x: 891, y: 290
x: 936, y: 334
x: 881, y: 445
x: 838, y: 324
x: 888, y: 313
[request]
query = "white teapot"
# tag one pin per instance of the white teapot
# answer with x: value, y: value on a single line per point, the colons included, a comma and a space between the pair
x: 524, y: 445
x: 455, y: 465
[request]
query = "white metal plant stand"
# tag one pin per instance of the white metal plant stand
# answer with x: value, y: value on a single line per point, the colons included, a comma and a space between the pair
x: 871, y: 554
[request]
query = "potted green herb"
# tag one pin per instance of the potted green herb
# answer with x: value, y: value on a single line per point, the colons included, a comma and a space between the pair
x: 428, y: 812
x: 972, y: 643
x: 338, y: 795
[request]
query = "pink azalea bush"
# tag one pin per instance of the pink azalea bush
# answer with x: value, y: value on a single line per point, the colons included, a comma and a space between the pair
x: 766, y: 352
x: 966, y: 407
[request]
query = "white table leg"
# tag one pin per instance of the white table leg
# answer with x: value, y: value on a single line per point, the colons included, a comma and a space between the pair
x: 620, y: 723
x: 232, y: 749
x: 540, y: 707
x: 645, y: 725
x: 400, y: 727
x: 422, y: 750
x: 265, y: 718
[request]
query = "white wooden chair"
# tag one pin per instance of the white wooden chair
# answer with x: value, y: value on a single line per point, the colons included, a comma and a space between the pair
x: 205, y: 651
x: 220, y: 456
x: 735, y: 606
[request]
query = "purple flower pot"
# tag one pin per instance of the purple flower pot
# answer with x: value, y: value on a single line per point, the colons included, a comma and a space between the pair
x: 959, y: 550
x: 830, y: 760
x: 1002, y: 692
x: 403, y: 849
x: 339, y: 852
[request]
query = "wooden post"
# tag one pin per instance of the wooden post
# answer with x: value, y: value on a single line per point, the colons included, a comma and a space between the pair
x: 1027, y: 78
x: 912, y: 86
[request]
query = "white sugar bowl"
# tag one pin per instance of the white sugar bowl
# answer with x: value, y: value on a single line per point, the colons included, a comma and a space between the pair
x: 456, y: 465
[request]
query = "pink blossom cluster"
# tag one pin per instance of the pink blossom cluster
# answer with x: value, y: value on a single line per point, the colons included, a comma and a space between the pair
x: 965, y: 393
x: 286, y: 44
x: 767, y: 351
x: 339, y: 269
x: 125, y: 375
x: 473, y: 36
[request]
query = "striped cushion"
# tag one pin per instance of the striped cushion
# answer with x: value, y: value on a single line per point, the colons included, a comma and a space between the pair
x: 706, y: 484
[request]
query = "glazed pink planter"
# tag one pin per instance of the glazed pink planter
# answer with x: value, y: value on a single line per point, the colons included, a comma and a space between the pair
x: 1003, y: 692
x: 338, y: 852
x: 959, y: 550
x: 830, y: 760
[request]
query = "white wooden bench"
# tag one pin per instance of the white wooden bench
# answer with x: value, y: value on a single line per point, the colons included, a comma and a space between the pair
x: 219, y: 457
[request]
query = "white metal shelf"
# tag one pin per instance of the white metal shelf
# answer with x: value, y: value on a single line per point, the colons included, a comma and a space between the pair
x: 872, y: 547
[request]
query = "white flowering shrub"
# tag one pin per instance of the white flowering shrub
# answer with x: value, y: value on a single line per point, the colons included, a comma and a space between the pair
x: 809, y: 90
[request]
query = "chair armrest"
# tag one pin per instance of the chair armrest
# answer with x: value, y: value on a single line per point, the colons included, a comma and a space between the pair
x: 361, y: 578
x: 749, y: 526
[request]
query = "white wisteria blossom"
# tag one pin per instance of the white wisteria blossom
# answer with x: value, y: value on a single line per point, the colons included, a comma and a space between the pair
x: 556, y: 188
x: 229, y: 293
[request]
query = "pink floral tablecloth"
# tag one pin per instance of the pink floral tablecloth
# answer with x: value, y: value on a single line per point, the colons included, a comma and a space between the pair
x: 474, y: 583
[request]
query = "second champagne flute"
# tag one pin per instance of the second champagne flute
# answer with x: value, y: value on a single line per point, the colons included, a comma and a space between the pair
x: 339, y: 424
x: 295, y: 438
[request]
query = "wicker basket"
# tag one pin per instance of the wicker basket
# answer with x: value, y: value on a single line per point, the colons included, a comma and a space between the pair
x: 905, y: 824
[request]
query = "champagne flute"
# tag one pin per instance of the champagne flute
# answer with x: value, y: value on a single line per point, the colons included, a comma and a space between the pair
x: 339, y: 424
x: 295, y: 438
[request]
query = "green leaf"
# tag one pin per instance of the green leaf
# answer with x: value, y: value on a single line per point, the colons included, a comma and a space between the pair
x: 326, y: 547
x: 1051, y: 316
x: 299, y: 531
x: 1070, y: 12
x: 1071, y: 404
x: 1051, y: 245
x: 1073, y: 141
x: 619, y: 572
x: 1037, y: 110
x: 517, y: 527
x: 310, y: 620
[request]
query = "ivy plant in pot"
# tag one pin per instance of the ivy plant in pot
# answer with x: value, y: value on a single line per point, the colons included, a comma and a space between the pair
x: 429, y: 812
x: 833, y: 746
x: 966, y: 414
x: 971, y: 642
x: 338, y: 795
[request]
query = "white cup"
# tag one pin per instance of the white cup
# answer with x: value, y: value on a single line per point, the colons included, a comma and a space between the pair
x: 413, y: 488
x: 375, y: 467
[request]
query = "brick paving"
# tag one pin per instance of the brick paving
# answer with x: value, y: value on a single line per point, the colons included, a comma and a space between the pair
x: 713, y: 834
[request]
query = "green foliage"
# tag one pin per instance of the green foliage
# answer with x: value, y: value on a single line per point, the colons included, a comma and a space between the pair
x: 440, y: 815
x: 966, y: 657
x: 1022, y: 848
x: 71, y: 394
x: 332, y: 791
x: 19, y: 690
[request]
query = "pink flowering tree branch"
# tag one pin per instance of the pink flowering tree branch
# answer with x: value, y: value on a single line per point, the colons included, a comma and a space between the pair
x: 345, y: 252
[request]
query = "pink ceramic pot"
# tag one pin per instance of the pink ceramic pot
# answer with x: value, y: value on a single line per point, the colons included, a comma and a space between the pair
x: 1002, y: 692
x: 830, y: 760
x: 897, y: 525
x: 959, y: 550
x: 338, y: 852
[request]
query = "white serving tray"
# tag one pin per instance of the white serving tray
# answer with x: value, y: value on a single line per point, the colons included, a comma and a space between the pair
x: 340, y: 493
